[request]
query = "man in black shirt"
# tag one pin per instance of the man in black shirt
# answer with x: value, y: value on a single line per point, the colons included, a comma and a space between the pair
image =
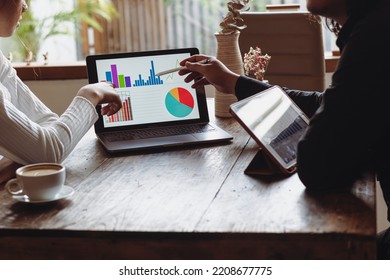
x: 349, y: 130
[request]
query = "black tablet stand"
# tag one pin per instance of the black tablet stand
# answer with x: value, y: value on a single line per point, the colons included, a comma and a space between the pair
x: 262, y: 165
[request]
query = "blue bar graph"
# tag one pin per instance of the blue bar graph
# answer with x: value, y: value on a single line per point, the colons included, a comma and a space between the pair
x: 151, y: 80
x: 122, y: 81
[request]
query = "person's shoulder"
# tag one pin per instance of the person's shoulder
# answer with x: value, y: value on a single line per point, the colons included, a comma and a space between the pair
x: 3, y: 59
x: 371, y: 28
x: 4, y: 62
x: 378, y: 16
x: 6, y: 69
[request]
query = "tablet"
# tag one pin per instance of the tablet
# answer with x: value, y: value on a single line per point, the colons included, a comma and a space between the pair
x: 275, y: 122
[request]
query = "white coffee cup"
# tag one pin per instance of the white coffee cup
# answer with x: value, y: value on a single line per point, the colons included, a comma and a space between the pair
x: 40, y: 182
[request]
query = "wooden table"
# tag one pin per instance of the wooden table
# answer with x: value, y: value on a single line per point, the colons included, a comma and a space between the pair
x: 187, y: 203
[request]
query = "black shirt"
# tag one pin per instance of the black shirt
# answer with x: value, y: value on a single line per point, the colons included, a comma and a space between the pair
x: 349, y: 130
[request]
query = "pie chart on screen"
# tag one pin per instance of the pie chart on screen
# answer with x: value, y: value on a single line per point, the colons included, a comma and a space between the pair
x: 179, y: 102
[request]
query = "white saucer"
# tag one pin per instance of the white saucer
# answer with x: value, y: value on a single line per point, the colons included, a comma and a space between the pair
x: 65, y: 192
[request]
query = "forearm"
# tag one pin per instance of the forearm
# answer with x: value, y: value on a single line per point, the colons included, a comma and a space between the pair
x: 307, y: 101
x: 246, y: 87
x: 30, y: 142
x: 74, y: 124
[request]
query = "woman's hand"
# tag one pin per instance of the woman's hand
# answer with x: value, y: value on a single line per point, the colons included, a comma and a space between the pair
x: 101, y: 93
x: 206, y: 70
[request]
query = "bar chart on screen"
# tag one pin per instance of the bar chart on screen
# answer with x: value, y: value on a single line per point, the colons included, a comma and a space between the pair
x: 125, y: 113
x: 125, y: 81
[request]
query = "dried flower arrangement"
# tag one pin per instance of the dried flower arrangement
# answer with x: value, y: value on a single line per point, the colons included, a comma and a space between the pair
x: 232, y: 22
x: 255, y: 63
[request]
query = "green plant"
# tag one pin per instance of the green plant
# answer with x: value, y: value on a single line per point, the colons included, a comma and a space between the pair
x: 33, y: 31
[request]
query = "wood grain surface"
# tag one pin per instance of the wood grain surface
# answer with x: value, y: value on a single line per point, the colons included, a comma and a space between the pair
x: 188, y: 203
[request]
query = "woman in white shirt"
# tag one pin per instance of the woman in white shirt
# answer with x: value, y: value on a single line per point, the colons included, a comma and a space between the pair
x: 30, y: 132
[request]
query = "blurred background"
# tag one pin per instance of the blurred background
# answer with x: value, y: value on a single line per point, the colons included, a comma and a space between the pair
x: 69, y: 30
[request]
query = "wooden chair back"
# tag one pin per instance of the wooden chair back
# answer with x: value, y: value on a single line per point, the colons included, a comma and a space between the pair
x: 294, y: 40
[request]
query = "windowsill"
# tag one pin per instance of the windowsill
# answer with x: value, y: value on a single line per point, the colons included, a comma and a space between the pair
x: 331, y: 61
x: 77, y: 70
x: 37, y: 71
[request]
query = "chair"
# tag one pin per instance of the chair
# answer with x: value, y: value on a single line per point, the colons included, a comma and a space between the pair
x: 295, y: 43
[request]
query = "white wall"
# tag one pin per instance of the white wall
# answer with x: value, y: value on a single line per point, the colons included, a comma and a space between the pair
x: 381, y: 209
x: 56, y: 94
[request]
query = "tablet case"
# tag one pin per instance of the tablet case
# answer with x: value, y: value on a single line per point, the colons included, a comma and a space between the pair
x: 263, y: 164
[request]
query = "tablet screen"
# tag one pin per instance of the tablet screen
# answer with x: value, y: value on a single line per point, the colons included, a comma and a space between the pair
x: 275, y: 123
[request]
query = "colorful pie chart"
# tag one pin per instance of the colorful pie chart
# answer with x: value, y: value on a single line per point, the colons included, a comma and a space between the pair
x: 179, y: 102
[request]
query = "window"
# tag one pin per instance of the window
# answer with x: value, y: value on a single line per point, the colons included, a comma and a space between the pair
x: 59, y: 47
x: 151, y: 25
x: 167, y: 24
x: 187, y: 23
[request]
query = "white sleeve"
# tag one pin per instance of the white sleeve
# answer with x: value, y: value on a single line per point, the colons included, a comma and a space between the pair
x: 30, y: 132
x: 25, y: 141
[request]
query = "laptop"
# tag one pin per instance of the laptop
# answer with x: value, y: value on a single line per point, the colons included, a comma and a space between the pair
x: 157, y: 111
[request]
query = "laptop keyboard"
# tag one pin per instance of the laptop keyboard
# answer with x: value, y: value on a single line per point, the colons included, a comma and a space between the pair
x: 157, y: 132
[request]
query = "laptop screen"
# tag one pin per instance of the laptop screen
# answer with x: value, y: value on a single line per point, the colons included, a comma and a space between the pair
x: 147, y: 98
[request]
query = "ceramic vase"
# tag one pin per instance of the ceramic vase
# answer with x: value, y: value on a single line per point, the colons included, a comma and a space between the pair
x: 228, y: 52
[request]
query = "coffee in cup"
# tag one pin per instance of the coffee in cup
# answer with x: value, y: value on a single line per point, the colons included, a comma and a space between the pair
x: 39, y: 182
